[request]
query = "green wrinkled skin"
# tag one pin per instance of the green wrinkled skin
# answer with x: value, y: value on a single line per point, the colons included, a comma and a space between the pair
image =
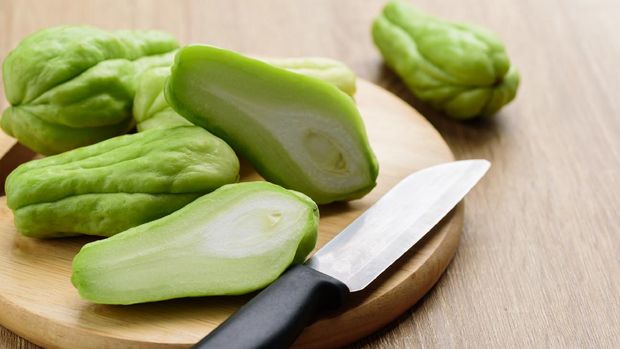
x: 111, y: 186
x: 458, y: 68
x: 73, y: 86
x: 297, y: 131
x: 235, y: 240
x: 151, y: 110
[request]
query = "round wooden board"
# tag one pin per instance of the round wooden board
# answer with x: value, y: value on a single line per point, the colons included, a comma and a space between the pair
x: 38, y: 302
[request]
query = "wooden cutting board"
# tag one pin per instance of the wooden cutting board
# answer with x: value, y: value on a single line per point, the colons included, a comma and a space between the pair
x: 38, y: 302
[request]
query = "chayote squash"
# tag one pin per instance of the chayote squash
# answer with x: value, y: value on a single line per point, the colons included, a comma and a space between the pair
x: 151, y: 110
x: 73, y: 86
x: 458, y: 68
x: 297, y: 131
x: 111, y: 186
x: 235, y: 240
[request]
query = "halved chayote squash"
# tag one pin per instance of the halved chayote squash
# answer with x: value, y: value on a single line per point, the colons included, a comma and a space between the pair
x: 111, y: 186
x: 297, y: 131
x: 235, y: 240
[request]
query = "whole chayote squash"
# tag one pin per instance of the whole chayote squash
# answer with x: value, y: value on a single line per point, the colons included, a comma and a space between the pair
x: 151, y: 110
x: 73, y: 86
x: 111, y: 186
x: 458, y: 68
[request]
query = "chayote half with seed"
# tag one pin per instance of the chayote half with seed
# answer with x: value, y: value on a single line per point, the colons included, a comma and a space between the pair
x: 111, y: 186
x: 235, y: 240
x: 458, y: 68
x: 297, y: 131
x: 73, y: 86
x: 151, y: 110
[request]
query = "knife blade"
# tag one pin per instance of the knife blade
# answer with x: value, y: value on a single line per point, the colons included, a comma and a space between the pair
x: 350, y: 261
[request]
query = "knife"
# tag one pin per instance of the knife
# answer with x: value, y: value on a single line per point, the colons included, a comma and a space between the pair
x: 351, y: 260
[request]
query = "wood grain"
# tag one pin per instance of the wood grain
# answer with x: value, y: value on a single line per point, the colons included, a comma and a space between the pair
x: 539, y: 260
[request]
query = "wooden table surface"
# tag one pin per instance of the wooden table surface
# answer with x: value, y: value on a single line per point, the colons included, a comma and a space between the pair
x: 539, y: 260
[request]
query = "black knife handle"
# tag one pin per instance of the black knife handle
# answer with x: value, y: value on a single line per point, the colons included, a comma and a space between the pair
x: 277, y: 315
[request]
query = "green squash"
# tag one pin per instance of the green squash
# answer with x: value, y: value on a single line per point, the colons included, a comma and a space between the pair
x: 72, y: 86
x: 297, y: 131
x: 111, y: 186
x: 458, y: 68
x: 235, y: 240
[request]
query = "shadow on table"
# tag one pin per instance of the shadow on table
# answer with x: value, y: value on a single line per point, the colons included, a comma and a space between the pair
x: 409, y: 315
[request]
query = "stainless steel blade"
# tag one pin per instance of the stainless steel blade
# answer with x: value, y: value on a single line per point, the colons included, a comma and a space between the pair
x: 377, y: 238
